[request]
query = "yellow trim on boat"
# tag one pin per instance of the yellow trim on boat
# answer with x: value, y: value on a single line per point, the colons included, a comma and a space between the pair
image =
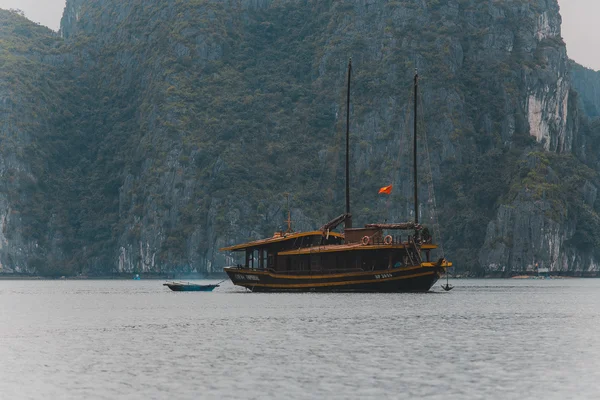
x: 338, y: 248
x: 341, y: 275
x: 277, y: 239
x: 445, y: 264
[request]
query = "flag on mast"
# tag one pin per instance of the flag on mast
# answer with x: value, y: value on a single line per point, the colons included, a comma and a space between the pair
x: 386, y: 190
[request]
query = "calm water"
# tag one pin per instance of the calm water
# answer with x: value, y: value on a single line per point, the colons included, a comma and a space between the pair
x: 487, y: 339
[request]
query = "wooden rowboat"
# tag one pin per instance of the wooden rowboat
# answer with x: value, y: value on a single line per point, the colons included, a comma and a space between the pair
x: 190, y: 287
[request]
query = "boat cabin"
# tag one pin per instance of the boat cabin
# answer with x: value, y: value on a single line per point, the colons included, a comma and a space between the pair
x: 362, y: 249
x: 262, y: 254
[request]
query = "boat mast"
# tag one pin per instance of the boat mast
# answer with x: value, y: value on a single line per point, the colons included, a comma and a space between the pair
x: 415, y: 154
x: 289, y: 218
x: 348, y: 222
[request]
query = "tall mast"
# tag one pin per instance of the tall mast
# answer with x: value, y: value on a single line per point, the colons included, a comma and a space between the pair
x: 415, y: 151
x: 289, y: 218
x: 348, y: 222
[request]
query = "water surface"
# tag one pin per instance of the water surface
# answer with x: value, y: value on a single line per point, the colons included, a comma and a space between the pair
x: 486, y: 339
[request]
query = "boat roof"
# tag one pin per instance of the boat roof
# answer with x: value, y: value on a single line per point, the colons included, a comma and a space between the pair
x: 276, y: 239
x: 332, y: 248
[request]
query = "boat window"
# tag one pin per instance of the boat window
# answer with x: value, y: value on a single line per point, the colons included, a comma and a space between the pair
x: 288, y: 264
x: 248, y: 258
x: 270, y: 260
x: 262, y: 258
x: 255, y: 259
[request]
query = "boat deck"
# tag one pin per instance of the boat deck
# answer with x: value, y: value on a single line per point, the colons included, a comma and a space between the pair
x: 353, y: 246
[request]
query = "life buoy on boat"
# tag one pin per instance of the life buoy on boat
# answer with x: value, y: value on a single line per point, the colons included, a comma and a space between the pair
x: 388, y: 239
x: 366, y: 240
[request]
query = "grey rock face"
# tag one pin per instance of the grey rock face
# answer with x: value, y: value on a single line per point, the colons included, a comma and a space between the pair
x: 31, y: 70
x: 587, y: 84
x: 197, y: 117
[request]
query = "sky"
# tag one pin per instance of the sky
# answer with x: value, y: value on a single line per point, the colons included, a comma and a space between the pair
x: 579, y: 24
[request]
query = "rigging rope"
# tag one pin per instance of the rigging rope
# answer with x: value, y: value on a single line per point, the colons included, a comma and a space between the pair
x: 402, y: 149
x: 433, y: 215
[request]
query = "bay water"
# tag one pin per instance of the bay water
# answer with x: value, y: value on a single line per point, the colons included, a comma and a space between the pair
x: 486, y: 339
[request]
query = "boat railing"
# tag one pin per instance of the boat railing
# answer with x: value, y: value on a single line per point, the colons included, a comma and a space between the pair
x: 316, y: 271
x: 381, y: 240
x: 396, y: 240
x: 407, y: 241
x: 303, y: 271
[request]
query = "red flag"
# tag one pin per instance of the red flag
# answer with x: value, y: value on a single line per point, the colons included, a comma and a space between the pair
x: 386, y: 190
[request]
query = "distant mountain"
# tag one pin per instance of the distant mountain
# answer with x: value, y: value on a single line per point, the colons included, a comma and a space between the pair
x: 151, y: 133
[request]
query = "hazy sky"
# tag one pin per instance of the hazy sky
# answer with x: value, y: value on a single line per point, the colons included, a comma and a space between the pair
x: 580, y: 31
x: 46, y: 12
x: 579, y: 24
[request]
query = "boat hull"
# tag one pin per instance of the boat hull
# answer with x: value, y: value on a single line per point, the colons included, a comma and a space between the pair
x: 413, y: 279
x: 190, y: 288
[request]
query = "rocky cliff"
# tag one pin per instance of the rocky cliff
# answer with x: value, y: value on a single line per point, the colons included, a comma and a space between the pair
x: 587, y: 84
x: 187, y: 121
x: 34, y: 104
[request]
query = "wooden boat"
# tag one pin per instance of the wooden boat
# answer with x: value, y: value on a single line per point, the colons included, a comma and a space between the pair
x: 367, y: 259
x: 189, y: 287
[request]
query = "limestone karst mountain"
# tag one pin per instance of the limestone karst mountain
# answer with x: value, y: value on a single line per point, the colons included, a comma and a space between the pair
x: 150, y: 133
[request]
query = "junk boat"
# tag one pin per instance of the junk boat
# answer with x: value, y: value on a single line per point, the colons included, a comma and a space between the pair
x: 190, y: 287
x: 367, y: 259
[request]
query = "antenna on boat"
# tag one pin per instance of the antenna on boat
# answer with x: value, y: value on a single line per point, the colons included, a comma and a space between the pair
x: 348, y: 221
x: 415, y: 152
x: 289, y: 218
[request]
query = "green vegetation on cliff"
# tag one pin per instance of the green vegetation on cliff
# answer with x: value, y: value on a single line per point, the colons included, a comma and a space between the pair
x: 157, y: 132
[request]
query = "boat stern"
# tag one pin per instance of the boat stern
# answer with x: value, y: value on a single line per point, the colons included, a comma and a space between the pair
x: 242, y: 276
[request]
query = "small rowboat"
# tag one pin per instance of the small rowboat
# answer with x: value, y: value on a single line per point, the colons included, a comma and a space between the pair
x: 190, y: 287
